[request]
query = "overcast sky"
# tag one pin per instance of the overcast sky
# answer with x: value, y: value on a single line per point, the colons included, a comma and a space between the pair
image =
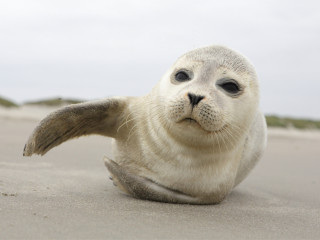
x: 99, y: 48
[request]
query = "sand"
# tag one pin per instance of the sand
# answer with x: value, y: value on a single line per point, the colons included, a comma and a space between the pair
x: 67, y: 195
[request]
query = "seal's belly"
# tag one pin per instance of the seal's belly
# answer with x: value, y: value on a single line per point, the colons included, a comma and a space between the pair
x: 195, y: 179
x: 201, y: 174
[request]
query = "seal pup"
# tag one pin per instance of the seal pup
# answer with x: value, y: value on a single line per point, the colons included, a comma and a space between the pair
x: 191, y: 140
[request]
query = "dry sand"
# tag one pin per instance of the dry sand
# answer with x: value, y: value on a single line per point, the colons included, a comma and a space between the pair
x: 67, y: 195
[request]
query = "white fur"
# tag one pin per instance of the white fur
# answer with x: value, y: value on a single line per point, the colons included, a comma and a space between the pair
x: 196, y: 161
x: 183, y: 156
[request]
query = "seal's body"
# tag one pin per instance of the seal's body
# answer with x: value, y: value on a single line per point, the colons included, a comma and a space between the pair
x: 191, y: 140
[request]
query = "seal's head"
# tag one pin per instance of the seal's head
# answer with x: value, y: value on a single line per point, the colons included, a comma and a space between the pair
x: 211, y: 90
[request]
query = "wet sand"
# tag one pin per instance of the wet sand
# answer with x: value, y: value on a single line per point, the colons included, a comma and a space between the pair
x: 66, y: 194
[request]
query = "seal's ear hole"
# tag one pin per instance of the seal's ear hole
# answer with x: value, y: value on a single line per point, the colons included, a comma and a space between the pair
x: 182, y: 76
x: 230, y: 87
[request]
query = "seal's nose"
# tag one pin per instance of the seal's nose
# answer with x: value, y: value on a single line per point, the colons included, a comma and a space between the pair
x: 194, y: 99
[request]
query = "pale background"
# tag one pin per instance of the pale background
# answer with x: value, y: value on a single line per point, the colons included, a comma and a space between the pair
x: 98, y: 48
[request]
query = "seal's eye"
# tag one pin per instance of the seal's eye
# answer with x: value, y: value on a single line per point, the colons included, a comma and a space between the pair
x: 182, y: 76
x: 230, y: 87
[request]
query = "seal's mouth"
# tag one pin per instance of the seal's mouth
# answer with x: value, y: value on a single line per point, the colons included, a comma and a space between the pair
x: 190, y: 120
x: 195, y: 123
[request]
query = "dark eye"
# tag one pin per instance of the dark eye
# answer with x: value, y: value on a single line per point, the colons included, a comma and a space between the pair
x: 182, y: 76
x: 230, y: 87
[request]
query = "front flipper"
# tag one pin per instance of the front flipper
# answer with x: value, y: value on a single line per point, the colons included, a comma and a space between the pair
x: 143, y: 188
x: 96, y: 117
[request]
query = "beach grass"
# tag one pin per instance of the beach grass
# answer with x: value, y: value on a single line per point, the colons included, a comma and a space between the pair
x: 54, y: 102
x: 286, y: 122
x: 7, y: 103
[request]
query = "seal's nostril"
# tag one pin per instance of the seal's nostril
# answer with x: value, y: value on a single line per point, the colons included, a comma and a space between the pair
x: 194, y: 99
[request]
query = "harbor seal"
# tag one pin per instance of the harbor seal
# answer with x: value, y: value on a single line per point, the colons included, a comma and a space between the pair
x: 191, y: 140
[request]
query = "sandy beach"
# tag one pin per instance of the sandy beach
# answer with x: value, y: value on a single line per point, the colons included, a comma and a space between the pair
x: 66, y: 194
